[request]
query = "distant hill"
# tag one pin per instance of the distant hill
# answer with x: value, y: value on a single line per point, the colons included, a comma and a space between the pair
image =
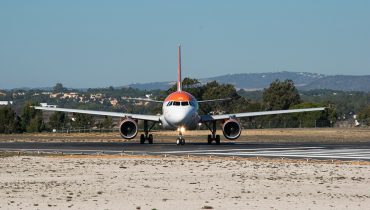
x: 341, y: 82
x: 258, y: 81
x: 152, y: 85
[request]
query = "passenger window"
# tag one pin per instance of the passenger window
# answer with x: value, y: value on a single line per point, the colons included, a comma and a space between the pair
x: 176, y: 103
x: 185, y: 103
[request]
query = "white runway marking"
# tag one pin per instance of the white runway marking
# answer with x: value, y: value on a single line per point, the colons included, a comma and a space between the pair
x: 227, y: 150
x: 295, y: 152
x: 315, y: 152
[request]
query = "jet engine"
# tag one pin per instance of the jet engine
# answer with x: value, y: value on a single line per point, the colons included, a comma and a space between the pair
x: 128, y: 128
x: 231, y: 129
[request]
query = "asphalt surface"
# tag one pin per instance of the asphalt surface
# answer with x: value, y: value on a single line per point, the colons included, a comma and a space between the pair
x: 360, y: 151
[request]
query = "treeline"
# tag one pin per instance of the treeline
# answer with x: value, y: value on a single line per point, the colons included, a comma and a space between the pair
x: 60, y: 120
x: 30, y: 120
x: 346, y: 103
x: 22, y: 96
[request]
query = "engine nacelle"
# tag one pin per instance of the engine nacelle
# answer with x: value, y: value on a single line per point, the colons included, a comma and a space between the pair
x: 128, y: 128
x: 231, y: 129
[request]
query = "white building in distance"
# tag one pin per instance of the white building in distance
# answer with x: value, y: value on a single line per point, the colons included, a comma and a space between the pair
x: 6, y: 103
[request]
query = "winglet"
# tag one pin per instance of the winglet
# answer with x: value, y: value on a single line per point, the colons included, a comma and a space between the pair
x: 179, y: 85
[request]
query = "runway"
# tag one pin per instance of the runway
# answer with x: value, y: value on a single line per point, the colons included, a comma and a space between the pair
x: 360, y: 151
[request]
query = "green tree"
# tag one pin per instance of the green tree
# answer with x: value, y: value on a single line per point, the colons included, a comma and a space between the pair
x: 281, y: 95
x: 192, y: 86
x: 17, y: 125
x: 58, y: 88
x: 83, y: 121
x: 108, y: 122
x: 8, y: 120
x: 36, y: 125
x: 313, y: 119
x: 364, y: 115
x: 214, y: 90
x: 58, y: 120
x: 30, y: 114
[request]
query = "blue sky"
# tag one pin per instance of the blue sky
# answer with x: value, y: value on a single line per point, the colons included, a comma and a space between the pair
x: 103, y: 43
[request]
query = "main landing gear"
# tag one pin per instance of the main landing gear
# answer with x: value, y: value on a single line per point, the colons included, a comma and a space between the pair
x: 143, y: 138
x: 213, y: 137
x: 146, y: 136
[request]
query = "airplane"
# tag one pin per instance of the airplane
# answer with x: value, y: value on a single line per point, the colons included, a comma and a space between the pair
x: 180, y: 112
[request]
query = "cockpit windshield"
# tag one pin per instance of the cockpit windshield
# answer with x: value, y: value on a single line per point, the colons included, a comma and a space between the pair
x: 180, y: 103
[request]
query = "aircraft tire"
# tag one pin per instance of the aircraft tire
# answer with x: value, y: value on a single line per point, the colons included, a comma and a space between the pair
x: 150, y: 139
x: 218, y: 141
x: 142, y: 139
x: 209, y: 139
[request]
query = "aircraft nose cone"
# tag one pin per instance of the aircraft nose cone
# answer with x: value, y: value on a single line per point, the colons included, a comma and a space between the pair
x: 180, y: 118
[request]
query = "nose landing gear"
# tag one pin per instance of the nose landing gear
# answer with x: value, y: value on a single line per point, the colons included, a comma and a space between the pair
x: 180, y: 140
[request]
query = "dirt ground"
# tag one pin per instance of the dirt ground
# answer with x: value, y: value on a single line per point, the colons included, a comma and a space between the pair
x: 111, y: 182
x: 327, y: 135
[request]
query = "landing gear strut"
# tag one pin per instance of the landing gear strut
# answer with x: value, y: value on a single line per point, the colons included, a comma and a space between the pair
x: 146, y: 135
x: 180, y: 140
x: 213, y: 137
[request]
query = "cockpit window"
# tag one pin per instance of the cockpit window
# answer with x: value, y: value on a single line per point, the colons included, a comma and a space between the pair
x: 185, y: 103
x: 180, y: 103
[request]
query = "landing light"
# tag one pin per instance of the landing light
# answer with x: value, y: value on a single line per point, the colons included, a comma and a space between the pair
x: 181, y: 129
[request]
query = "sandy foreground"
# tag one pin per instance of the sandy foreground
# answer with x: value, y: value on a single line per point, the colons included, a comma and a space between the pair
x: 114, y: 182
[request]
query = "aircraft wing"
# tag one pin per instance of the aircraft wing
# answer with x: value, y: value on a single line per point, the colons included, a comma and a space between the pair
x: 154, y: 118
x: 205, y: 118
x: 214, y: 100
x: 143, y: 99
